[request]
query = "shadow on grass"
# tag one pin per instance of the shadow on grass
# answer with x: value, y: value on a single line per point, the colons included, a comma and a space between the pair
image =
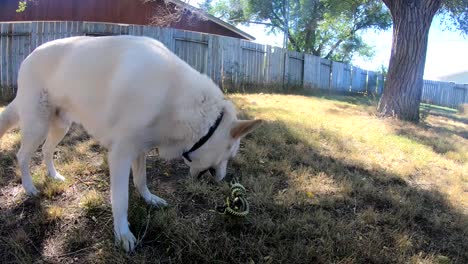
x: 378, y: 219
x: 440, y: 133
x: 437, y: 109
x: 346, y: 97
x: 354, y: 99
x: 372, y: 216
x: 20, y: 237
x: 449, y: 113
x: 439, y: 141
x: 8, y: 164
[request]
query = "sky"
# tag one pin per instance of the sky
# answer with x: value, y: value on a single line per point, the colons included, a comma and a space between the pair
x: 447, y: 52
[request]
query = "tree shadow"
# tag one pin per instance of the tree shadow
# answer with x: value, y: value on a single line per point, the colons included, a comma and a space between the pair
x: 438, y: 134
x: 306, y: 207
x: 437, y: 109
x: 8, y: 164
x: 345, y: 97
x: 377, y: 218
x: 438, y: 141
x: 448, y: 113
x: 21, y: 239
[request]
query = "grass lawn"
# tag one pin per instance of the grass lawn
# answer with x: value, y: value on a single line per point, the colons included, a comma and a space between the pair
x: 327, y: 181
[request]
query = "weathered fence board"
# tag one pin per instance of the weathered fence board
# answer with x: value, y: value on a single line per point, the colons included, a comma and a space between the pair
x: 358, y: 80
x: 311, y: 71
x: 444, y: 93
x: 253, y: 63
x: 341, y: 77
x: 325, y: 70
x: 4, y: 56
x: 234, y: 64
x: 216, y: 59
x: 380, y: 83
x: 193, y: 48
x: 295, y: 69
x: 372, y: 82
x: 231, y: 63
x: 276, y: 65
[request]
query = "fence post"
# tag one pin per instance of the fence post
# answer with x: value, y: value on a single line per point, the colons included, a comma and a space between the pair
x: 380, y: 84
x: 285, y: 70
x: 465, y: 99
x: 371, y: 82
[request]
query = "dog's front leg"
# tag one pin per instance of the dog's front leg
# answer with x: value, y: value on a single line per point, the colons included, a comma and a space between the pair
x: 120, y: 159
x: 139, y: 179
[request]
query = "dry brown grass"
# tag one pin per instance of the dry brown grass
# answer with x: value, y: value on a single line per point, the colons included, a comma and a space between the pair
x: 463, y: 109
x: 327, y: 181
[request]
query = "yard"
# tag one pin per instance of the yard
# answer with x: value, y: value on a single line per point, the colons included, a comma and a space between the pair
x: 327, y: 181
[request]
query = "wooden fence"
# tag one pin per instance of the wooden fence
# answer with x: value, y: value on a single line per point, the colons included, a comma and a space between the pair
x: 444, y: 93
x: 234, y: 64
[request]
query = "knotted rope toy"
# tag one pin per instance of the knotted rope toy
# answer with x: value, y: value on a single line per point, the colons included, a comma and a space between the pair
x: 236, y: 204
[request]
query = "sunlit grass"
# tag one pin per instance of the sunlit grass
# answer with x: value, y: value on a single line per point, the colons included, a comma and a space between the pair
x: 92, y: 201
x: 353, y: 135
x: 327, y: 182
x: 54, y: 212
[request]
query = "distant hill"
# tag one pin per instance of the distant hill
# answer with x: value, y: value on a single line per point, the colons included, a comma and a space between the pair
x: 461, y: 77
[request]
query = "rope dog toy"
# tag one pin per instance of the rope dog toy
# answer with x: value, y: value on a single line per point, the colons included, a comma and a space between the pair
x: 236, y: 204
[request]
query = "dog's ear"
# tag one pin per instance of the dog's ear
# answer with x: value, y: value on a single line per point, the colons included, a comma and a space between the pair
x: 244, y: 127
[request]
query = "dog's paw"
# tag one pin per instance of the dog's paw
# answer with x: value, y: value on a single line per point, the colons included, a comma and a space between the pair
x: 126, y: 241
x: 57, y: 176
x: 31, y: 190
x: 156, y: 201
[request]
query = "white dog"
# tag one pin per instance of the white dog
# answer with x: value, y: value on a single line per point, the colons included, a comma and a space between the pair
x: 131, y: 94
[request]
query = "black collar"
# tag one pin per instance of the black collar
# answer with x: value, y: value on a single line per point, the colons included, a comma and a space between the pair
x: 205, y: 138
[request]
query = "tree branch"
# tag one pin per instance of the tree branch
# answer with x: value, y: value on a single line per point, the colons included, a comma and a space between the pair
x: 262, y: 23
x: 333, y: 48
x: 293, y: 42
x: 351, y: 34
x: 235, y: 21
x: 278, y: 18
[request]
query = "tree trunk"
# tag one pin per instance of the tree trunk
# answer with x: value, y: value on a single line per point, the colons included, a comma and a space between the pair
x: 411, y: 22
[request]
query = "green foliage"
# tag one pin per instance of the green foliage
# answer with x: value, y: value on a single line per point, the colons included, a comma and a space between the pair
x: 21, y: 6
x: 455, y: 14
x: 326, y: 28
x: 206, y: 5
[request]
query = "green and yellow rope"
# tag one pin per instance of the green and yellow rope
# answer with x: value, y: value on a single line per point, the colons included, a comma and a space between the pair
x: 236, y: 204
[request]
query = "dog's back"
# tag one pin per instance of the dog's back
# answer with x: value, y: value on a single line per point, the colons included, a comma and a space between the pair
x: 110, y: 83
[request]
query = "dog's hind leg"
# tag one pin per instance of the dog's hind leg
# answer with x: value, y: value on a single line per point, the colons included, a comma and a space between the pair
x: 33, y: 132
x: 58, y: 128
x: 139, y: 180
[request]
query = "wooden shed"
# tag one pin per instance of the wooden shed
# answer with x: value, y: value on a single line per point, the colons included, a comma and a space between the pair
x: 137, y: 12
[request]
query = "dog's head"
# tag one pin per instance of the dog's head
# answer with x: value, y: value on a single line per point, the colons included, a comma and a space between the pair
x: 214, y: 155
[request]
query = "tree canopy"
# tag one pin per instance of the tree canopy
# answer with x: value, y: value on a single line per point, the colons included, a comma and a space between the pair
x: 455, y: 14
x: 326, y: 28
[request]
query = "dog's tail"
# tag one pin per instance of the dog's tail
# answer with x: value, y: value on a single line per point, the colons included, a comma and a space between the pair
x: 8, y: 118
